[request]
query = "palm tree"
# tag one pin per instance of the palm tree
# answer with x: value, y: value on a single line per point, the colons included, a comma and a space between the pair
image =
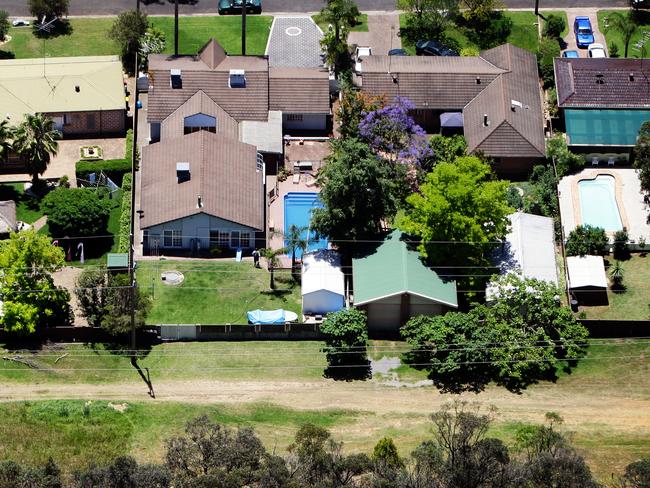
x: 616, y: 272
x: 342, y: 14
x: 624, y: 24
x: 272, y: 260
x: 294, y: 240
x: 35, y: 141
x: 6, y: 137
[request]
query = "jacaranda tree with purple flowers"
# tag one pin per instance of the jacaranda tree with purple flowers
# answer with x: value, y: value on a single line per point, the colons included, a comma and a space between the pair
x: 393, y: 134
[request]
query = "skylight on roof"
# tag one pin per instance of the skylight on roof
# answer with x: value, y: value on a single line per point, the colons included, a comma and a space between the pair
x: 175, y: 79
x: 237, y: 78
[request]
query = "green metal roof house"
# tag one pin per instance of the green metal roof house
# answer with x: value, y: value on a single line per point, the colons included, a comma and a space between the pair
x: 392, y: 284
x: 604, y: 101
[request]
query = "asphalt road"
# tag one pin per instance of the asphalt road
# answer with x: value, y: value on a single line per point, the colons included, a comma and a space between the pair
x: 112, y: 7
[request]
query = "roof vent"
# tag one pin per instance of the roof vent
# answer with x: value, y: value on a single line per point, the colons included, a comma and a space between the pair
x: 631, y: 76
x: 514, y: 105
x: 237, y: 78
x: 486, y: 121
x: 395, y: 77
x: 199, y: 202
x: 175, y: 80
x: 478, y: 80
x: 600, y: 79
x: 182, y: 172
x: 77, y: 88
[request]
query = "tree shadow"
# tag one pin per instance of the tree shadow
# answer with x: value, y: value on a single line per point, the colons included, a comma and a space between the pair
x: 349, y: 370
x: 7, y: 54
x: 61, y: 27
x: 185, y: 2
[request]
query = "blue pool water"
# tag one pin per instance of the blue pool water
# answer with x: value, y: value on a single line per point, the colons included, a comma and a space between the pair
x: 598, y: 203
x: 297, y: 211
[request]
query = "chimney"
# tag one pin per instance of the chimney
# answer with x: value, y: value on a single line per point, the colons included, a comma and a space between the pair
x: 600, y: 79
x: 486, y: 121
x: 631, y: 76
x: 77, y: 89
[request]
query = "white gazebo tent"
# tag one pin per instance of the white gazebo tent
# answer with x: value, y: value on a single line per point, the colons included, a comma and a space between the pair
x: 587, y: 279
x: 323, y: 283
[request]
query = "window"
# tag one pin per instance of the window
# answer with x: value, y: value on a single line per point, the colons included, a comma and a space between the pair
x: 175, y: 80
x: 219, y: 238
x: 197, y: 122
x: 172, y: 238
x: 245, y: 239
x: 294, y: 117
x: 259, y: 165
x: 237, y: 78
x: 234, y: 238
x: 90, y: 121
x: 190, y: 130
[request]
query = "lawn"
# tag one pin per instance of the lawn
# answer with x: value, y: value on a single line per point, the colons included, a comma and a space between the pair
x: 89, y: 36
x: 634, y: 302
x: 615, y: 37
x: 214, y: 292
x: 362, y: 26
x: 27, y: 207
x: 523, y: 34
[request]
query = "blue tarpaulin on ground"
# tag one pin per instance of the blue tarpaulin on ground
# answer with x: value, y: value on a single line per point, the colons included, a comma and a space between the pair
x: 270, y: 316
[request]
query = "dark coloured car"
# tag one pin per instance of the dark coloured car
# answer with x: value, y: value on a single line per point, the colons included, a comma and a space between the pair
x: 235, y: 6
x: 433, y: 48
x: 397, y: 52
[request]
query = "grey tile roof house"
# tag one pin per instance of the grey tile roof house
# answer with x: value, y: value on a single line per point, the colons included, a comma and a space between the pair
x: 603, y: 101
x: 8, y: 222
x: 497, y: 92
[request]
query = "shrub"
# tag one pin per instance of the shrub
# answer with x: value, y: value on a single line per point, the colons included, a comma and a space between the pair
x: 4, y: 24
x: 125, y: 216
x: 514, y: 198
x: 115, y: 169
x: 346, y: 339
x: 76, y: 212
x: 554, y: 26
x: 128, y: 148
x: 548, y: 50
x: 587, y: 240
x: 470, y: 51
x: 613, y: 50
x: 621, y: 250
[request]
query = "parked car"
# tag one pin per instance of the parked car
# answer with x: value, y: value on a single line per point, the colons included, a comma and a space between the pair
x: 433, y: 48
x: 360, y: 53
x: 235, y: 6
x: 397, y: 52
x: 20, y: 22
x: 640, y: 3
x: 596, y: 50
x: 570, y: 54
x: 583, y: 32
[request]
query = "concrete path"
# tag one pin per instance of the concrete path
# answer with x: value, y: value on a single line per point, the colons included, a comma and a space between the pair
x: 67, y: 278
x: 381, y: 36
x: 570, y: 39
x: 40, y: 223
x: 294, y: 42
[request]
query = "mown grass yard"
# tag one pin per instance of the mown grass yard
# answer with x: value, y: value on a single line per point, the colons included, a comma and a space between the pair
x: 214, y: 292
x: 362, y: 26
x: 89, y: 36
x: 28, y: 208
x: 633, y: 303
x: 613, y: 36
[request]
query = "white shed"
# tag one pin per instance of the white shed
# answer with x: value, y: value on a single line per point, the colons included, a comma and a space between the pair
x: 587, y: 279
x: 323, y: 283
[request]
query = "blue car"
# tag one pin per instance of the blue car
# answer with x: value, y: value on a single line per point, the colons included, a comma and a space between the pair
x: 584, y: 33
x: 570, y: 54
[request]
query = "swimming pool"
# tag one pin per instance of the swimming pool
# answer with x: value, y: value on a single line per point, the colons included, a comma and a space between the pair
x: 297, y: 211
x: 598, y: 203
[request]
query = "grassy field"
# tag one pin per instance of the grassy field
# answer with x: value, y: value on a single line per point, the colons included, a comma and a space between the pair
x: 214, y: 292
x: 89, y: 36
x: 362, y: 26
x: 27, y: 207
x: 634, y: 302
x: 615, y: 37
x: 523, y: 34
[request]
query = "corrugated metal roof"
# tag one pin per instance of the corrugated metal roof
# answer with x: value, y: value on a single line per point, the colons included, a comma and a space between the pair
x: 49, y: 85
x: 586, y: 271
x: 392, y: 269
x: 321, y: 270
x: 223, y: 172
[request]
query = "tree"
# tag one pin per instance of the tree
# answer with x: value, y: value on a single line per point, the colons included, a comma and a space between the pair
x: 386, y: 460
x: 543, y: 199
x: 565, y: 161
x: 127, y: 31
x: 447, y: 148
x: 342, y: 15
x: 4, y: 25
x: 354, y: 103
x: 295, y: 240
x: 625, y: 24
x: 637, y: 474
x: 6, y: 138
x: 459, y: 202
x: 521, y: 338
x: 346, y: 339
x: 621, y: 239
x: 30, y: 298
x: 565, y: 469
x: 121, y: 298
x: 549, y: 49
x: 77, y: 212
x: 554, y: 25
x: 642, y: 156
x: 586, y: 240
x: 35, y: 140
x: 272, y: 261
x: 393, y: 134
x: 480, y: 10
x: 617, y: 273
x: 358, y: 193
x: 426, y: 19
x: 91, y: 295
x: 48, y: 9
x: 152, y: 42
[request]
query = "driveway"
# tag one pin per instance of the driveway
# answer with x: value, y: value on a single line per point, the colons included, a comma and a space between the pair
x: 381, y: 35
x: 294, y: 42
x: 570, y: 39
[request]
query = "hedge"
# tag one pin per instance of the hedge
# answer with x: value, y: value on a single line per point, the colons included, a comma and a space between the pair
x: 125, y: 216
x: 115, y: 169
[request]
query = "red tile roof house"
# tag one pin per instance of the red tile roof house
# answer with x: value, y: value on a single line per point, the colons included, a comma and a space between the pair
x: 215, y: 121
x: 497, y: 92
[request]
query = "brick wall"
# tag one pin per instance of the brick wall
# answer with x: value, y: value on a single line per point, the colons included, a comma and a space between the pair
x: 95, y: 123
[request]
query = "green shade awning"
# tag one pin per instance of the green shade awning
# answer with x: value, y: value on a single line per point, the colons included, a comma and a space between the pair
x: 604, y: 127
x: 118, y: 260
x: 392, y: 269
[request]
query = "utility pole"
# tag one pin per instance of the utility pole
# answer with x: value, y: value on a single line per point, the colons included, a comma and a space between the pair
x: 175, y: 27
x: 137, y: 6
x: 536, y: 7
x: 131, y: 260
x: 243, y: 28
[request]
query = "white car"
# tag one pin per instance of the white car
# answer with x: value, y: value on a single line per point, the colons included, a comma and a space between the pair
x: 20, y: 22
x: 360, y: 53
x: 596, y: 50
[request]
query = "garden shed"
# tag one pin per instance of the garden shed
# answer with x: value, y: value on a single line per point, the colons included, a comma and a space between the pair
x: 587, y: 279
x: 392, y: 284
x: 323, y: 284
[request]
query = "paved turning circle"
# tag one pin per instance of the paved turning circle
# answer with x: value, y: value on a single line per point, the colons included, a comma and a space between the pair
x: 294, y: 42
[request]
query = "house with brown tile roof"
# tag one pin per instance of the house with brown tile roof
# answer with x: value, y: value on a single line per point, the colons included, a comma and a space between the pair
x: 603, y: 101
x: 497, y: 93
x: 243, y: 86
